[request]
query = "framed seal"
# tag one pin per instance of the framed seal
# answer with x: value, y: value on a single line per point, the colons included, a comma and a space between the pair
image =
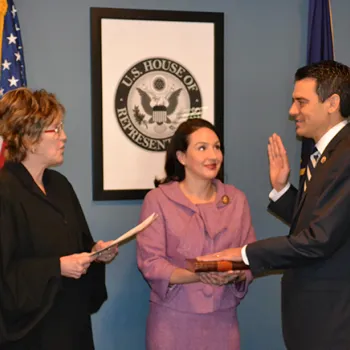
x: 151, y: 70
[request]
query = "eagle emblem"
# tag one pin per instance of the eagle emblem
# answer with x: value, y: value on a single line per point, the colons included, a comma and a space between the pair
x: 159, y: 107
x: 153, y: 98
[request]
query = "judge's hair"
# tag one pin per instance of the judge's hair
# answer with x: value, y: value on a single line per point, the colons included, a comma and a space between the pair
x: 24, y: 114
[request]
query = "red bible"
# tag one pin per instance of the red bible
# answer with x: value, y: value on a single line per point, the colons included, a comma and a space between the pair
x: 214, y: 266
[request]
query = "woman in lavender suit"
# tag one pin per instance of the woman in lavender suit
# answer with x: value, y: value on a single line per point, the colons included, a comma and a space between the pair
x: 198, y: 215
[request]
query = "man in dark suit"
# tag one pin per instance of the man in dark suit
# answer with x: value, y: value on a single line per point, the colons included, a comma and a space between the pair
x: 316, y: 253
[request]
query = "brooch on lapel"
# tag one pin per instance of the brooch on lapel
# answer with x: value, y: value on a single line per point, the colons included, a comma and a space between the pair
x: 302, y: 172
x: 323, y: 159
x: 225, y: 199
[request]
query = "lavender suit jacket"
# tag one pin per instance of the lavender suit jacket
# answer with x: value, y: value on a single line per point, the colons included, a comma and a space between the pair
x: 185, y: 230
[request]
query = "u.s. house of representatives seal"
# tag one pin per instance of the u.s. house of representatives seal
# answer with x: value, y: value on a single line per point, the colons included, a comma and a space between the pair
x: 153, y: 98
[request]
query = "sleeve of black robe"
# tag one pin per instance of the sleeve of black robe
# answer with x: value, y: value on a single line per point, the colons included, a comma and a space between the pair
x: 27, y: 285
x: 96, y: 270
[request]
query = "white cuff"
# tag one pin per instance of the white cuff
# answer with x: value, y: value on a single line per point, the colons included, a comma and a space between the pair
x: 244, y: 255
x: 275, y: 196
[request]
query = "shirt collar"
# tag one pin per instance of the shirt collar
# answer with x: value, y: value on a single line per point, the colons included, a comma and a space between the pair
x: 329, y: 135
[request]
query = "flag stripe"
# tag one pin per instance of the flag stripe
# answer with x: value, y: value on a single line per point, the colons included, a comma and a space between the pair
x: 332, y: 30
x: 3, y: 10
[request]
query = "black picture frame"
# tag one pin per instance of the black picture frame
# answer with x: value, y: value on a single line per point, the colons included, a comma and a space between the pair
x: 123, y: 16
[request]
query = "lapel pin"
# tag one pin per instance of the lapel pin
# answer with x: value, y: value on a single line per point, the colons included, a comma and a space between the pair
x: 225, y: 200
x: 302, y: 172
x: 323, y: 160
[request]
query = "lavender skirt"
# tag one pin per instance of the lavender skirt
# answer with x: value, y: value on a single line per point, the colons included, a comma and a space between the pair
x: 168, y: 329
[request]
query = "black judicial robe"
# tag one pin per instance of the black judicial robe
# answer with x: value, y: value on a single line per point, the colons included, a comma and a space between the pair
x: 39, y: 308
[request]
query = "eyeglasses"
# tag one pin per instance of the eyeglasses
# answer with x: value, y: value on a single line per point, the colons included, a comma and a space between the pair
x: 57, y: 130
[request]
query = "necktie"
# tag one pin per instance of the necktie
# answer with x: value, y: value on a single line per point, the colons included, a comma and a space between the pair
x: 311, y: 165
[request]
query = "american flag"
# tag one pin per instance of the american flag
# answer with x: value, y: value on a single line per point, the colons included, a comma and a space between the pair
x: 13, y: 73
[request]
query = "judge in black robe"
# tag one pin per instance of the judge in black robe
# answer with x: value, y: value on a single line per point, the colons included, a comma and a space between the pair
x: 49, y: 285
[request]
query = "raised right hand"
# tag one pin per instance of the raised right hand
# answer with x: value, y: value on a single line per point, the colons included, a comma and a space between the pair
x: 279, y: 164
x: 75, y: 265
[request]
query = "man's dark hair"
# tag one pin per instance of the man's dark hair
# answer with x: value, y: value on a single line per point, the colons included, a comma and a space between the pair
x: 331, y: 78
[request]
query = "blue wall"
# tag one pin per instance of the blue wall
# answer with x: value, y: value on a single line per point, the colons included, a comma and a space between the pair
x: 265, y: 41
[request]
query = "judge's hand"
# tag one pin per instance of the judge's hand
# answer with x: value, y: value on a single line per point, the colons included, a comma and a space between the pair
x: 109, y: 254
x: 75, y: 265
x: 278, y: 161
x: 221, y: 278
x: 232, y: 254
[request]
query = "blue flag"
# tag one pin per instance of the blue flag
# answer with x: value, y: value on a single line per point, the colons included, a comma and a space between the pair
x: 12, y: 75
x: 319, y: 48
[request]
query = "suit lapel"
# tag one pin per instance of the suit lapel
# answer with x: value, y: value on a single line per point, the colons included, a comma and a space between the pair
x: 318, y: 173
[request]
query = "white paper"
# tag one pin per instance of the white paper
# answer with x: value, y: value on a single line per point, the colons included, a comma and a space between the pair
x: 145, y: 223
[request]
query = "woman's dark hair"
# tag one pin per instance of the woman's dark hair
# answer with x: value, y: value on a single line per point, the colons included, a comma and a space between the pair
x: 174, y: 170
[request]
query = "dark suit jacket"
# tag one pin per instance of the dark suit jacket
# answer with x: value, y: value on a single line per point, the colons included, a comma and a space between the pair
x: 315, y: 255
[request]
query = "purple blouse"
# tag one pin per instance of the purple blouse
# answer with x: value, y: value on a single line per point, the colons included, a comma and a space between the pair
x: 186, y: 230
